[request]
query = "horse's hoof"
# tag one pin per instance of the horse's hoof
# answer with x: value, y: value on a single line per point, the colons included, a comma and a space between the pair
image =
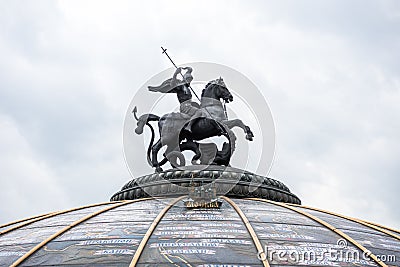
x: 249, y: 137
x: 159, y: 169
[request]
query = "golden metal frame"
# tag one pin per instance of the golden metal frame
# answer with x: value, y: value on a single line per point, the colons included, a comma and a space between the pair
x: 53, y: 236
x: 150, y: 231
x: 350, y: 219
x: 49, y: 215
x: 382, y: 226
x: 250, y: 229
x: 327, y: 225
x: 25, y: 219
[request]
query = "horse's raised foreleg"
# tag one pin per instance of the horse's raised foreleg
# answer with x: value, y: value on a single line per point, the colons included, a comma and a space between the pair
x: 238, y: 123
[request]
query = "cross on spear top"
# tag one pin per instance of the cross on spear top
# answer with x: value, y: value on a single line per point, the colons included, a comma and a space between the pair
x: 164, y: 51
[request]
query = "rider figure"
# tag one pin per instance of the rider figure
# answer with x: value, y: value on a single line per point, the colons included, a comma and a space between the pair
x: 187, y: 106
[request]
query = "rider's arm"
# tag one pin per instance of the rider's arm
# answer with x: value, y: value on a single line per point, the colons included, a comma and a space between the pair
x: 187, y: 77
x: 174, y: 80
x: 188, y: 69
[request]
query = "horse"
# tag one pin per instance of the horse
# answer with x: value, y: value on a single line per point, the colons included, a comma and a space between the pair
x: 209, y: 121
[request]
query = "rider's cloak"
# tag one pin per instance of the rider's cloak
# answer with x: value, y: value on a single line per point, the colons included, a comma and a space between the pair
x: 166, y: 87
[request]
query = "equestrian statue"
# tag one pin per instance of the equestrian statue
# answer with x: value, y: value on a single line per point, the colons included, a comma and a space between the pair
x: 180, y: 131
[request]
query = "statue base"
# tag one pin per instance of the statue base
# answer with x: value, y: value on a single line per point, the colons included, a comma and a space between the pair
x: 228, y: 181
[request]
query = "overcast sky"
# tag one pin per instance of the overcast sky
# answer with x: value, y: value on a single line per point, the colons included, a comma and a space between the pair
x: 330, y: 71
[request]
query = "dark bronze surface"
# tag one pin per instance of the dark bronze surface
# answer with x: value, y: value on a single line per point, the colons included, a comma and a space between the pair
x: 180, y: 131
x: 231, y: 182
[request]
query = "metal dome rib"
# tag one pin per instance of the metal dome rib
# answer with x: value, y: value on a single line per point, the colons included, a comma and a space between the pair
x: 382, y: 226
x: 154, y: 224
x: 351, y: 219
x: 25, y: 219
x: 49, y: 215
x: 250, y: 229
x: 150, y: 231
x: 330, y: 227
x: 53, y: 236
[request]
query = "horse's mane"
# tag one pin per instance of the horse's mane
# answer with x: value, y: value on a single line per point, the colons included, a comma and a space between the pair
x: 207, y: 87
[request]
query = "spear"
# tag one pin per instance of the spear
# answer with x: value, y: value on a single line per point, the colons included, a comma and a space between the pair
x: 164, y: 51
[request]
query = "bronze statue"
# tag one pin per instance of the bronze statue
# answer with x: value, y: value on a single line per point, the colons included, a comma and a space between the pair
x: 206, y: 120
x: 194, y: 122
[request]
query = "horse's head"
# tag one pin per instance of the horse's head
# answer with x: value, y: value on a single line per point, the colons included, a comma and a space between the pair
x: 217, y: 89
x: 225, y: 94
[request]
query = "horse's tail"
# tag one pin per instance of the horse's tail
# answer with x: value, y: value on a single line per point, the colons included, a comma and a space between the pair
x: 141, y: 122
x: 144, y: 120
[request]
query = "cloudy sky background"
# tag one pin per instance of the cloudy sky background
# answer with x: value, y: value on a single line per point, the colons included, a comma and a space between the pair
x: 330, y: 71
